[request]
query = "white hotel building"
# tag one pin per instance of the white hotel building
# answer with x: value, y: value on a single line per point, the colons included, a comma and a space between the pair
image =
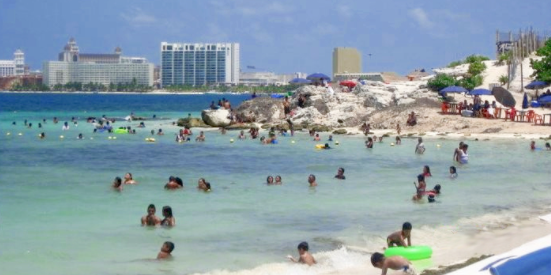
x: 199, y: 64
x: 73, y: 66
x: 13, y: 67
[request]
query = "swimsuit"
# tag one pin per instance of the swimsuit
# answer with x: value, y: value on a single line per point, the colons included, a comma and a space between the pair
x: 165, y: 222
x: 409, y: 270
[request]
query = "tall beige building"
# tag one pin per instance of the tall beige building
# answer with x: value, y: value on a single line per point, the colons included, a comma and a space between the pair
x: 346, y: 60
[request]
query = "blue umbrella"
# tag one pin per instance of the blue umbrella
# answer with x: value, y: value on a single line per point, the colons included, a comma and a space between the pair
x: 525, y: 102
x: 545, y: 99
x: 536, y: 85
x: 454, y: 89
x: 300, y: 81
x: 318, y: 76
x: 480, y: 92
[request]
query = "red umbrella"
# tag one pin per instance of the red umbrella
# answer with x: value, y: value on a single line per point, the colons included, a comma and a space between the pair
x: 348, y: 83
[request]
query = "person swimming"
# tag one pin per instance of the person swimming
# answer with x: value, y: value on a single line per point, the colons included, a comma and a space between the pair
x: 42, y: 135
x: 65, y: 126
x: 270, y: 180
x: 317, y: 137
x: 80, y: 136
x: 369, y: 143
x: 398, y: 140
x: 150, y: 219
x: 312, y: 180
x: 330, y: 138
x: 128, y: 179
x: 340, y: 174
x: 160, y: 132
x: 453, y: 172
x: 117, y: 184
x: 426, y: 171
x: 278, y: 180
x: 169, y: 219
x: 326, y: 146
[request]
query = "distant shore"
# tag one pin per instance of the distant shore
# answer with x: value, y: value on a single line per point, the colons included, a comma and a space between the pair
x: 154, y: 92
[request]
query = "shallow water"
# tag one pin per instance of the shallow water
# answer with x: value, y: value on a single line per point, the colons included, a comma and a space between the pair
x: 58, y: 214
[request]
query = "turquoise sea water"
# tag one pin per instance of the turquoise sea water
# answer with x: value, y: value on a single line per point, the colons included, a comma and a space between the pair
x: 58, y: 214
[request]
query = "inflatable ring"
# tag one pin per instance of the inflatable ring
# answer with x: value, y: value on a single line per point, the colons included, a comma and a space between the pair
x: 411, y: 253
x: 121, y: 131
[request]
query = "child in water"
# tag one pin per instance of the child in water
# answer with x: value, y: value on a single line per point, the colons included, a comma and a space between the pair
x: 453, y: 172
x: 378, y: 260
x: 304, y: 256
x: 399, y: 238
x: 420, y: 187
x: 166, y: 249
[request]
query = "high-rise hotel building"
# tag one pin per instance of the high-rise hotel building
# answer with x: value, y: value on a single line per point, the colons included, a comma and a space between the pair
x: 199, y: 64
x: 74, y: 66
x: 13, y: 67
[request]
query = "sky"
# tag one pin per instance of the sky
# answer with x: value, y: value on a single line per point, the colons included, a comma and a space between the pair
x: 282, y: 36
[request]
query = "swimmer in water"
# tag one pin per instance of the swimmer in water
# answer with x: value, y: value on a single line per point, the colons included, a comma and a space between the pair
x: 533, y: 145
x: 379, y: 260
x: 169, y: 219
x: 80, y: 136
x: 312, y: 180
x: 174, y: 183
x: 463, y: 156
x: 152, y: 132
x: 398, y: 140
x: 436, y: 189
x: 117, y: 184
x: 202, y: 184
x: 453, y: 172
x: 369, y: 143
x: 65, y: 126
x: 420, y: 187
x: 340, y: 174
x: 200, y: 137
x: 420, y: 147
x: 160, y: 132
x: 270, y: 180
x: 166, y: 249
x: 304, y: 256
x: 42, y: 135
x: 317, y: 137
x: 150, y: 219
x: 547, y: 146
x: 330, y: 138
x: 39, y: 125
x: 456, y: 152
x: 278, y: 180
x: 128, y: 179
x: 242, y: 135
x: 426, y: 171
x: 381, y: 139
x: 326, y: 146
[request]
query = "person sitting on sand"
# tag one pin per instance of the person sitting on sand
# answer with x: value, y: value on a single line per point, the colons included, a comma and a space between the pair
x: 278, y: 180
x: 420, y: 187
x: 378, y: 260
x: 270, y: 180
x: 200, y: 137
x: 312, y: 180
x: 166, y: 249
x: 340, y: 174
x: 453, y: 172
x: 128, y: 179
x: 304, y: 256
x: 150, y: 219
x: 398, y: 140
x: 399, y: 238
x: 117, y: 184
x: 369, y: 143
x: 412, y: 119
x: 420, y: 147
x: 169, y: 219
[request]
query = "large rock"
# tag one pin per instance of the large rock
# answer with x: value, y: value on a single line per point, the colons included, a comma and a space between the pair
x: 191, y: 122
x: 216, y: 118
x: 261, y: 109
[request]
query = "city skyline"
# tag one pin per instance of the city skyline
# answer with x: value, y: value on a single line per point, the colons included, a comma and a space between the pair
x: 278, y: 36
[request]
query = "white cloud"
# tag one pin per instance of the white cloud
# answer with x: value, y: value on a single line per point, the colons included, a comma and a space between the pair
x: 250, y: 8
x: 138, y: 17
x: 421, y: 17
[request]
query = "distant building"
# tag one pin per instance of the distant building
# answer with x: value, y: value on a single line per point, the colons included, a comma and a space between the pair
x: 199, y: 64
x: 267, y: 78
x: 346, y: 60
x: 74, y: 66
x: 15, y: 67
x: 359, y: 76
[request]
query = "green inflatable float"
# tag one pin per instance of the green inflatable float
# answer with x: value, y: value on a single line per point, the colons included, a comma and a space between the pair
x: 121, y: 131
x: 411, y: 253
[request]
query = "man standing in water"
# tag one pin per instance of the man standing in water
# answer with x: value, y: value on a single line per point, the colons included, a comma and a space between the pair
x: 420, y: 148
x: 150, y: 219
x: 312, y: 180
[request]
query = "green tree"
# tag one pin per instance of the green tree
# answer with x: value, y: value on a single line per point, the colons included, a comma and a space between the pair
x: 476, y: 58
x: 472, y: 82
x: 542, y: 68
x: 503, y: 79
x: 441, y: 81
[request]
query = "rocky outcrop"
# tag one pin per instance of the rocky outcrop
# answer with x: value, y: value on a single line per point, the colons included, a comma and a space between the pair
x: 342, y: 109
x: 340, y: 132
x: 261, y: 109
x: 191, y: 122
x: 216, y: 118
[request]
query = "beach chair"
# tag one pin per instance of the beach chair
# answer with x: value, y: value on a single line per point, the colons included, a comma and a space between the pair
x: 510, y: 114
x: 530, y: 116
x: 485, y: 113
x: 538, y: 118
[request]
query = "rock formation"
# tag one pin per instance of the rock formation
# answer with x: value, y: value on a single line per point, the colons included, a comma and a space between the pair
x: 216, y: 118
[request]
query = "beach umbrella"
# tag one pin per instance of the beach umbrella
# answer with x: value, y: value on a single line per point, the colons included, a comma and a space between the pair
x: 480, y: 92
x: 534, y: 85
x: 348, y: 83
x: 300, y: 81
x: 545, y: 99
x: 504, y: 97
x: 454, y: 89
x: 318, y: 76
x: 525, y: 101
